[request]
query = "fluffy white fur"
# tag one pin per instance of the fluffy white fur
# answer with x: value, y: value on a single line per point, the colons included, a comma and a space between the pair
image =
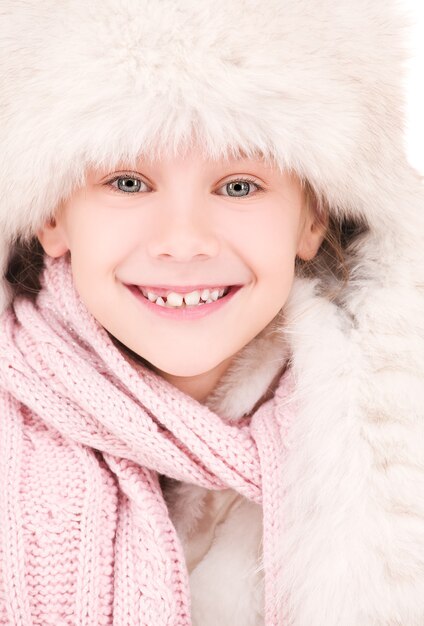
x: 317, y: 86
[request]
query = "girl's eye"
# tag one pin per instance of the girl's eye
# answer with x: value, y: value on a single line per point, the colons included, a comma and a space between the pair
x: 237, y: 188
x: 240, y: 187
x: 126, y: 184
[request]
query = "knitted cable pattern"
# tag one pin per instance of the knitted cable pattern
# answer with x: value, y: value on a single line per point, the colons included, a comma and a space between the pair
x: 85, y: 532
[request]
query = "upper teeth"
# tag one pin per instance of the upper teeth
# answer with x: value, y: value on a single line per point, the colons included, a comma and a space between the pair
x: 192, y: 298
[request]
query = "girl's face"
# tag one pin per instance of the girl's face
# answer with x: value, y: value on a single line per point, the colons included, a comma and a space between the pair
x: 185, y: 222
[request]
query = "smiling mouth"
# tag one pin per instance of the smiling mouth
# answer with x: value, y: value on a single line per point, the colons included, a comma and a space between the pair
x: 172, y: 306
x: 190, y: 299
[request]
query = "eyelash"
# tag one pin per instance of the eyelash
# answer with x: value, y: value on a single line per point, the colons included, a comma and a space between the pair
x: 238, y: 180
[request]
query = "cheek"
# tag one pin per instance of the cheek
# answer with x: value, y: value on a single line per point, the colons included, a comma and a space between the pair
x: 273, y: 261
x: 270, y: 243
x: 101, y: 240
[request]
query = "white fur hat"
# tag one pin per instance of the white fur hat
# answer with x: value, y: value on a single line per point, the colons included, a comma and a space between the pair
x: 314, y: 84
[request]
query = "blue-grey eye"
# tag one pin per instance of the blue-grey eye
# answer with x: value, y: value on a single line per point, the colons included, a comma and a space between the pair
x: 239, y: 187
x: 128, y: 184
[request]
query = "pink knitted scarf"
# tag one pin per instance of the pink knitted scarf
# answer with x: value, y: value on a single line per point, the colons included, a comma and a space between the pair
x: 85, y: 533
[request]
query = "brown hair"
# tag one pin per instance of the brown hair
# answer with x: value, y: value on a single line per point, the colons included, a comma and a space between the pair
x: 331, y: 257
x: 25, y: 267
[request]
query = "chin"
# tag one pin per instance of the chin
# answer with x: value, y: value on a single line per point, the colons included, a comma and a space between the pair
x: 183, y: 370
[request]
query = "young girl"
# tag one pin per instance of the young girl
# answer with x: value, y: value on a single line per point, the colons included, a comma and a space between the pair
x: 211, y: 340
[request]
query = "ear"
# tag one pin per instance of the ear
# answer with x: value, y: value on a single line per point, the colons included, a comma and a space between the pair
x: 312, y: 234
x: 53, y: 238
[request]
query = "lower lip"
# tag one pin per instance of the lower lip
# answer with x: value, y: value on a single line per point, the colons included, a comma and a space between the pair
x: 186, y: 313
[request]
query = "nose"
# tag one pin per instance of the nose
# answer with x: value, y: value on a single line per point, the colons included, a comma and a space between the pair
x: 183, y: 235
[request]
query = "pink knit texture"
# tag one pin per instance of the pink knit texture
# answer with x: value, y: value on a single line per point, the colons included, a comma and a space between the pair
x: 85, y: 533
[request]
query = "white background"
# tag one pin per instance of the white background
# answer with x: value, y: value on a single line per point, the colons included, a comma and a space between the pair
x: 414, y: 87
